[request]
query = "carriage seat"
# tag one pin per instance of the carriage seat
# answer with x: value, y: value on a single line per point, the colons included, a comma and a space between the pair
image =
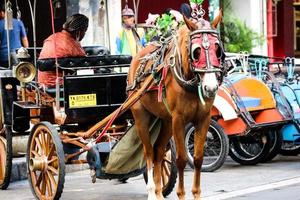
x: 74, y: 63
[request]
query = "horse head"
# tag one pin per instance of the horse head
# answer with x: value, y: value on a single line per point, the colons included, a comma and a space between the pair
x: 202, y: 55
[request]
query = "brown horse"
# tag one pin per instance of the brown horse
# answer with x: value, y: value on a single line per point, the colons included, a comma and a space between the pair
x: 192, y: 55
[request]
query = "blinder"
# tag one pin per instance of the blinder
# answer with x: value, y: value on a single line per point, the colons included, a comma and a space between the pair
x: 206, y: 53
x: 200, y: 47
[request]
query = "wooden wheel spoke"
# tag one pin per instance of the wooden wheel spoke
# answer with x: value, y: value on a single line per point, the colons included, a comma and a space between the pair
x: 163, y: 175
x: 168, y: 157
x: 54, y: 159
x: 43, y: 142
x: 2, y: 160
x: 36, y: 154
x: 38, y: 143
x: 167, y: 160
x: 53, y: 170
x: 51, y: 152
x: 52, y: 180
x: 43, y: 189
x: 166, y: 169
x: 48, y: 184
x: 39, y: 180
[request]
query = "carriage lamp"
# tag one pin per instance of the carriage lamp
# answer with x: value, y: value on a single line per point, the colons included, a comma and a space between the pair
x: 24, y: 72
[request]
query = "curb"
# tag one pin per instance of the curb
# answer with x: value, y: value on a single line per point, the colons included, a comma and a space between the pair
x: 19, y: 169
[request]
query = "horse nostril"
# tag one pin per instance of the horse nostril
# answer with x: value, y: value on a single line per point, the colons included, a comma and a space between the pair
x: 212, y: 89
x: 206, y: 88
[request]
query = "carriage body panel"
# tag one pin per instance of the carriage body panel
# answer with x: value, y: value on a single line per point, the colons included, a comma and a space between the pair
x: 291, y: 91
x: 89, y: 98
x: 251, y: 104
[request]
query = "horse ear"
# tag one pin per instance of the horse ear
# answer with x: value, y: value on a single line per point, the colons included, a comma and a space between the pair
x: 217, y: 19
x: 191, y: 25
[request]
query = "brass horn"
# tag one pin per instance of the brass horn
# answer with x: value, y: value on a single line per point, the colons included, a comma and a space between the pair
x: 24, y: 72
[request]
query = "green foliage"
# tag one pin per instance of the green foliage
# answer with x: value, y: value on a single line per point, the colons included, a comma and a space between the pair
x: 164, y: 22
x: 163, y: 25
x: 238, y: 37
x: 197, y: 1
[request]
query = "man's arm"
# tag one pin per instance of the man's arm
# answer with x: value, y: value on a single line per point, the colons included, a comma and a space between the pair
x: 25, y: 42
x: 23, y: 35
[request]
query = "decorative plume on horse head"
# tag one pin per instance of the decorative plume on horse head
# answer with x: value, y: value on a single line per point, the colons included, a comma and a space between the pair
x: 180, y: 71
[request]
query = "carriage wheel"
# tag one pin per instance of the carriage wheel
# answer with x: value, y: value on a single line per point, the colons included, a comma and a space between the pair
x: 5, y: 158
x: 45, y: 161
x: 250, y: 149
x: 169, y: 170
x: 289, y: 149
x: 216, y: 147
x: 276, y: 143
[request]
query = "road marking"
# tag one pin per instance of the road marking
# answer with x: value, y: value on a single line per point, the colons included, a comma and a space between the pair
x: 227, y: 195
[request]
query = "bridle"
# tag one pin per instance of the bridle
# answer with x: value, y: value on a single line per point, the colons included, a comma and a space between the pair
x: 206, y: 45
x: 177, y: 69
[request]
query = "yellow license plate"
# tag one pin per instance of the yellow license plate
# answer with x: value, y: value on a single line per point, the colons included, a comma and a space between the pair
x: 83, y: 100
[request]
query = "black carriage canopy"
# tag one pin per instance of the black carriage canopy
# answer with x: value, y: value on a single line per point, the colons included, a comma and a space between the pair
x: 81, y: 62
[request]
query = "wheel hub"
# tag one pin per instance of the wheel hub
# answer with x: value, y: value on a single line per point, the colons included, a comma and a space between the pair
x: 38, y: 164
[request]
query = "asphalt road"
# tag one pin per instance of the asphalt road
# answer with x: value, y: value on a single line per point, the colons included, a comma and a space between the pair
x: 279, y: 179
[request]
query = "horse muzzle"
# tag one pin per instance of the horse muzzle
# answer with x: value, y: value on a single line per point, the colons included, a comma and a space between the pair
x: 210, y: 91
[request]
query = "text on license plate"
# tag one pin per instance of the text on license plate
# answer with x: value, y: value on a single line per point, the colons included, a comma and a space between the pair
x: 82, y: 100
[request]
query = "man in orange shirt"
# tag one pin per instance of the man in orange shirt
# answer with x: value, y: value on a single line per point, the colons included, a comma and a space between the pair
x: 63, y: 44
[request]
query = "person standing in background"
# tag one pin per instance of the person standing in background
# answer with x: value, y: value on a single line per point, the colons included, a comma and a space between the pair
x: 130, y: 39
x: 17, y: 39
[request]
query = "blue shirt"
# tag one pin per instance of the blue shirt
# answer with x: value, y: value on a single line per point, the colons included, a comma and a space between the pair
x: 16, y: 35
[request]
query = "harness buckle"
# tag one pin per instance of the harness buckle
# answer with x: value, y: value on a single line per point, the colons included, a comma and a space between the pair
x: 172, y: 61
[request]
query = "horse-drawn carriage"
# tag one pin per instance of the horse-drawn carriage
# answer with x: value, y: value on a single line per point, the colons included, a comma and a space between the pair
x: 91, y: 92
x: 89, y: 112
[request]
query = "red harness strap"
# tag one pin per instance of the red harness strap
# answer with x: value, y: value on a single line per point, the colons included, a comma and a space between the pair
x: 109, y: 123
x: 161, y: 83
x: 160, y: 86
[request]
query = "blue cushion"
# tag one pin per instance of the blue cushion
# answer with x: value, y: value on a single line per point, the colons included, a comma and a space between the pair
x: 250, y: 102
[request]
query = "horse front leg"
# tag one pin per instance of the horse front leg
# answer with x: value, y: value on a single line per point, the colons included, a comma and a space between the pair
x: 178, y: 127
x: 159, y: 153
x: 201, y: 129
x: 142, y: 124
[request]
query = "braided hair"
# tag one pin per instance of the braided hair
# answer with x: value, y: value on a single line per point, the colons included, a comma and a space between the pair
x: 76, y: 22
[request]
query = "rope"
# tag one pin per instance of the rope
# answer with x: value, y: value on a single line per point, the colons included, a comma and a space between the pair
x: 55, y: 56
x: 109, y: 123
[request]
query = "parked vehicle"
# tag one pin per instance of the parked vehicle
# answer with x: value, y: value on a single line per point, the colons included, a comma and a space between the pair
x: 246, y: 112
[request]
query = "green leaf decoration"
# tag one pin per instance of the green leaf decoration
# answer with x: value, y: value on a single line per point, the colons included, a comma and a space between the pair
x: 164, y: 24
x: 197, y: 1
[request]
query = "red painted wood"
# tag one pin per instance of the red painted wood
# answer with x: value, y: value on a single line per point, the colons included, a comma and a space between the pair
x: 284, y: 42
